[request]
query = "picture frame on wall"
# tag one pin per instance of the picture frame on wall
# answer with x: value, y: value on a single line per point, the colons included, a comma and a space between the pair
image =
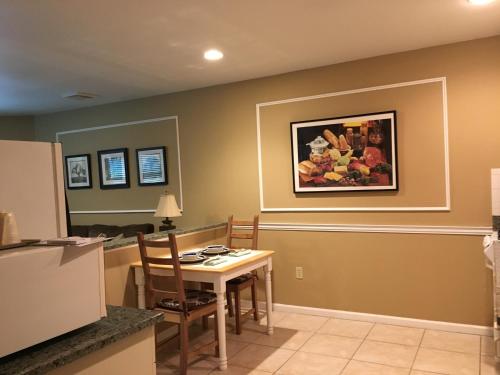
x: 152, y: 166
x: 78, y: 171
x: 348, y: 153
x: 113, y: 168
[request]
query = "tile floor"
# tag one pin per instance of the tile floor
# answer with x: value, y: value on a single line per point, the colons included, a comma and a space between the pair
x: 306, y: 344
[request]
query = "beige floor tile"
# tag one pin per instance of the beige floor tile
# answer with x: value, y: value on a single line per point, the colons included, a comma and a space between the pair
x: 201, y: 339
x: 487, y: 345
x: 489, y: 366
x: 348, y: 328
x: 396, y: 334
x: 336, y: 346
x: 365, y: 368
x: 386, y: 354
x: 232, y: 348
x: 455, y: 342
x: 277, y: 316
x: 444, y: 362
x: 301, y: 322
x: 418, y: 372
x: 262, y: 358
x: 235, y: 370
x: 249, y: 333
x: 198, y: 365
x: 284, y: 338
x: 312, y: 364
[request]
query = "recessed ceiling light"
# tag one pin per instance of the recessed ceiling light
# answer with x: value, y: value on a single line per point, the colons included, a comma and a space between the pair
x: 480, y: 2
x: 213, y: 54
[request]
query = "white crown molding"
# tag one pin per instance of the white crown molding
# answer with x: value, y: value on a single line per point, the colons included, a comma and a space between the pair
x: 376, y: 228
x: 441, y: 208
x: 139, y: 122
x: 375, y: 318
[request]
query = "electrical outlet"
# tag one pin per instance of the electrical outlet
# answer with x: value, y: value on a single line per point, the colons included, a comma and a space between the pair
x: 299, y: 273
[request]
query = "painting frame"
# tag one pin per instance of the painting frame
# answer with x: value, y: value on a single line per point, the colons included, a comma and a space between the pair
x: 81, y: 165
x: 376, y: 163
x: 161, y: 153
x: 113, y: 169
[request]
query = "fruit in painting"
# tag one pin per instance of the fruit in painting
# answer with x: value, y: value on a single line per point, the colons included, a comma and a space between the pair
x: 373, y: 156
x: 346, y: 159
x: 334, y: 154
x: 334, y: 176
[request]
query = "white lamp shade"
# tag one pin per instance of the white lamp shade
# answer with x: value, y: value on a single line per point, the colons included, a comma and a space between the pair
x: 167, y: 206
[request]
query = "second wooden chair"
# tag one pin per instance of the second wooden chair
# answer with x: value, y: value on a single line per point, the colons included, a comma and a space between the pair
x: 238, y: 284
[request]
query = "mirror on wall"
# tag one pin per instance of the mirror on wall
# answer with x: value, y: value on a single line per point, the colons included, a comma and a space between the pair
x: 115, y: 175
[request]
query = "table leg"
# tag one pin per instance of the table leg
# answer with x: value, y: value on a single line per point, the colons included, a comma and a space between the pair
x: 269, y: 298
x: 220, y: 290
x: 141, y: 290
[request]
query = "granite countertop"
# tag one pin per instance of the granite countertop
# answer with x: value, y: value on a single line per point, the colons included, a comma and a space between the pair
x: 157, y: 235
x: 41, y: 358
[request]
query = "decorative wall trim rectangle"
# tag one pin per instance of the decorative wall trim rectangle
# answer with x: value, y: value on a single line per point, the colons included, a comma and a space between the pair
x: 376, y: 318
x: 147, y: 121
x: 113, y: 212
x: 375, y: 228
x: 445, y: 207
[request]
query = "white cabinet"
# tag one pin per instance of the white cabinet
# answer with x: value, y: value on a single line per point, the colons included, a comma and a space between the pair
x: 48, y: 291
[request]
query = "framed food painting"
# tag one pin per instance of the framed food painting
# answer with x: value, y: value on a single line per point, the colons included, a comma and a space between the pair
x: 78, y: 172
x: 113, y: 168
x: 350, y: 153
x: 152, y: 166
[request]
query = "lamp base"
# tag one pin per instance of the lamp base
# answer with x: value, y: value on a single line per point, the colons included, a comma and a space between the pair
x: 167, y: 225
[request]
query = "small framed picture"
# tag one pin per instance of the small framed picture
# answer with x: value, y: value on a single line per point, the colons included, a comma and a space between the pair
x: 78, y: 172
x: 152, y: 166
x: 113, y: 168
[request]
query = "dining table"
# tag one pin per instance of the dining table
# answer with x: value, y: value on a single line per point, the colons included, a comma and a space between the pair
x: 217, y: 274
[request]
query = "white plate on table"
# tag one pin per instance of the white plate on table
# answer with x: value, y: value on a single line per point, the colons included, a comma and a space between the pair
x: 215, y: 250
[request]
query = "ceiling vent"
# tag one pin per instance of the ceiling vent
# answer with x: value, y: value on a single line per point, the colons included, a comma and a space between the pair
x: 79, y: 95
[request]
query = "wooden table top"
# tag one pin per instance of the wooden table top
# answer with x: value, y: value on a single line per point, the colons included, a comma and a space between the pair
x: 231, y: 263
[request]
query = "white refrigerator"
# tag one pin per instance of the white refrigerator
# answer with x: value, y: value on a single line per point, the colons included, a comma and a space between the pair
x: 44, y: 291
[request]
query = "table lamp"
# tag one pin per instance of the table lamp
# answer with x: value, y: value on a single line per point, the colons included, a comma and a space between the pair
x: 167, y: 207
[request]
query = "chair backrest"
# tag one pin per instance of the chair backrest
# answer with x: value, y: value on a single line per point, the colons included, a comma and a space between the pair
x: 155, y: 294
x: 243, y: 234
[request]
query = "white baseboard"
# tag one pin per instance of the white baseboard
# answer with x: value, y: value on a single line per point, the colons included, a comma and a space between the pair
x: 375, y: 318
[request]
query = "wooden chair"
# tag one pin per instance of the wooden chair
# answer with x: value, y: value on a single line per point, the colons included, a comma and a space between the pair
x: 236, y: 285
x: 180, y: 306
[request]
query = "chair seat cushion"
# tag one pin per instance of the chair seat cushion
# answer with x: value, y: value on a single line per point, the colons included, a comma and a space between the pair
x: 194, y: 299
x: 241, y: 279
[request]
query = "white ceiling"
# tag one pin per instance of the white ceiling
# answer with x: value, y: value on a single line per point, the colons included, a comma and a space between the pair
x: 125, y: 49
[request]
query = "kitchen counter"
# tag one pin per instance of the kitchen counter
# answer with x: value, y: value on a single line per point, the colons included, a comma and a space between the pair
x: 120, y: 323
x: 158, y: 235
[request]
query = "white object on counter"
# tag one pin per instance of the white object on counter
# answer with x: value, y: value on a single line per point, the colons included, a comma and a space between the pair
x: 9, y: 233
x: 48, y: 291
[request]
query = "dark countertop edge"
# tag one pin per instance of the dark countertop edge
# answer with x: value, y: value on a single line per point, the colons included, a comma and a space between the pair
x: 74, y: 353
x: 157, y: 235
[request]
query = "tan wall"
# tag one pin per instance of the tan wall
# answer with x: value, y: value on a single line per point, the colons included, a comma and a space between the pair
x: 152, y: 134
x: 431, y: 276
x: 17, y: 128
